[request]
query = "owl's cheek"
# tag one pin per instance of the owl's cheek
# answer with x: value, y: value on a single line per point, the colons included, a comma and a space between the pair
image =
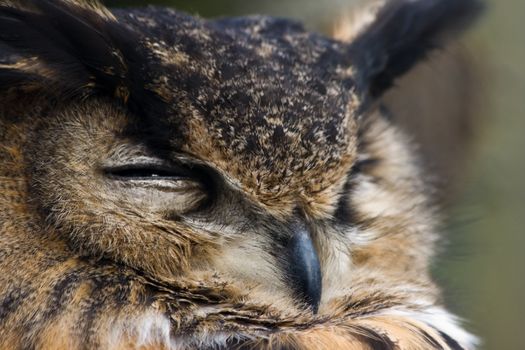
x: 334, y: 253
x: 255, y: 271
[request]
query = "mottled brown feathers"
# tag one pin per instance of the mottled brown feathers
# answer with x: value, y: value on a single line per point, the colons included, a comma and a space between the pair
x: 170, y: 182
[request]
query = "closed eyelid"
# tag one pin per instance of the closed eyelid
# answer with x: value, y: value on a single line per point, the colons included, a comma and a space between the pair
x: 147, y: 170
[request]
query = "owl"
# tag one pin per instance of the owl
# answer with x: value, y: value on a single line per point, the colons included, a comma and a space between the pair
x: 171, y: 182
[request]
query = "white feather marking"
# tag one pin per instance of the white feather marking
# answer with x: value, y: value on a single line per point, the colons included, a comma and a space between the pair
x: 443, y: 321
x: 150, y: 328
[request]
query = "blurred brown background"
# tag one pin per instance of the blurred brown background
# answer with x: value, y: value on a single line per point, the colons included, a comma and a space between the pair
x: 466, y: 109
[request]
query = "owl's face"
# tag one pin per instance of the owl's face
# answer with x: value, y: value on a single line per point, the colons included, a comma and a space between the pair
x: 245, y: 152
x: 244, y: 163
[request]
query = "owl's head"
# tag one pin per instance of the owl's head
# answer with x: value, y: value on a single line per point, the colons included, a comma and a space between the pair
x: 246, y: 152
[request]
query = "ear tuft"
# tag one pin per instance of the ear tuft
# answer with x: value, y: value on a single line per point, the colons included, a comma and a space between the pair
x: 402, y: 33
x: 63, y: 46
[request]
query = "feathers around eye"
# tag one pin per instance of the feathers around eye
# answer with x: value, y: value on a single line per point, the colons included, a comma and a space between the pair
x: 64, y: 48
x: 404, y: 32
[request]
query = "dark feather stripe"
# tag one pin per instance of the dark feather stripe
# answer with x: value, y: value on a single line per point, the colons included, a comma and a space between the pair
x: 11, y: 300
x: 76, y: 43
x: 79, y: 53
x: 10, y: 78
x: 62, y: 292
x: 430, y: 340
x: 454, y: 345
x: 109, y: 294
x: 31, y: 34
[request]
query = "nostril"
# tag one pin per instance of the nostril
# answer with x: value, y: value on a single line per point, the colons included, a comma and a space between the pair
x: 304, y: 267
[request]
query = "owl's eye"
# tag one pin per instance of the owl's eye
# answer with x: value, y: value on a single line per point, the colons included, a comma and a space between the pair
x: 147, y: 172
x: 159, y: 187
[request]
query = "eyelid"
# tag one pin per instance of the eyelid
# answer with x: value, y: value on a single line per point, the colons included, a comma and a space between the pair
x: 185, y: 174
x: 132, y: 160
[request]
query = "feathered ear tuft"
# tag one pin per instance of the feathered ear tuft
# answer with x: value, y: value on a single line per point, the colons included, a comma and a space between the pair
x: 402, y: 33
x: 62, y: 46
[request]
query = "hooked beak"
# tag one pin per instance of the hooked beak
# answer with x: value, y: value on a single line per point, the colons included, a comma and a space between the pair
x: 304, y: 267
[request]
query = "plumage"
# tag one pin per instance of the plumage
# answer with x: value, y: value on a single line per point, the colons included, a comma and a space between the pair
x: 171, y: 182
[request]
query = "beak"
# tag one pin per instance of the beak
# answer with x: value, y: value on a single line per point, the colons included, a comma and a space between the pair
x: 304, y: 267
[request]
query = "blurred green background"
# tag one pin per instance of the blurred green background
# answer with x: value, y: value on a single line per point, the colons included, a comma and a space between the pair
x: 483, y: 268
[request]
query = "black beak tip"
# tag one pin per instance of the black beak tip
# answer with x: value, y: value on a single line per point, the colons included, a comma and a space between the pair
x: 305, y: 269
